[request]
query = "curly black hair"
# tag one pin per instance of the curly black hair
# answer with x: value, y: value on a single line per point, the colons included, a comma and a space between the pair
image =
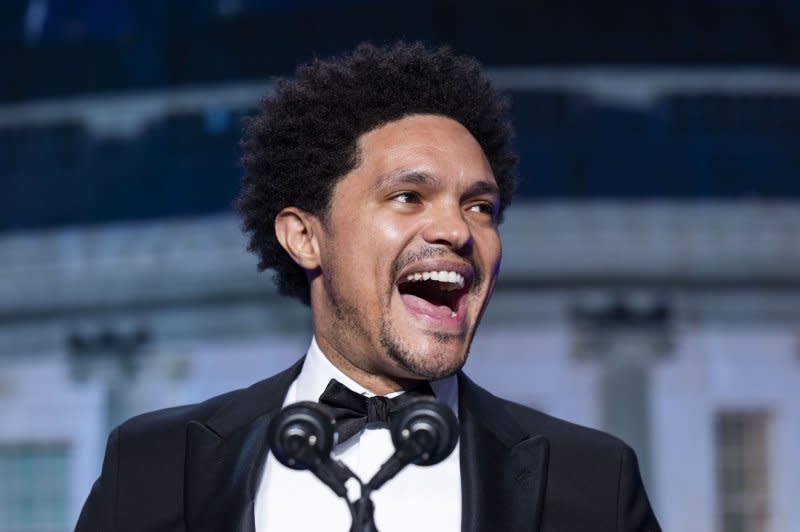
x: 304, y: 139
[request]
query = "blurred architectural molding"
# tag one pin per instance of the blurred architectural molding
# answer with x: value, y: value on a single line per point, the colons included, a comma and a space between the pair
x: 742, y: 243
x: 127, y: 113
x: 548, y: 247
x: 642, y: 87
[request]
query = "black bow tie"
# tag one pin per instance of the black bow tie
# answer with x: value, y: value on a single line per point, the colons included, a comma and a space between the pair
x: 354, y: 411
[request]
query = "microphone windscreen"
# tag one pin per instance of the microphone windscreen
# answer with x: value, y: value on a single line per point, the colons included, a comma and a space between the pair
x: 427, y: 428
x: 300, y: 434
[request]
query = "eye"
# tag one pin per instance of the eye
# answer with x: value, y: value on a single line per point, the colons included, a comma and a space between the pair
x: 484, y: 207
x: 406, y: 197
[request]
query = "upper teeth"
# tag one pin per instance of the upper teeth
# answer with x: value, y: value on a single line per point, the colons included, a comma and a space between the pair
x: 443, y: 277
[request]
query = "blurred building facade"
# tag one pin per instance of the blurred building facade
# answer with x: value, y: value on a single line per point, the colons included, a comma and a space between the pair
x: 651, y: 274
x: 674, y: 327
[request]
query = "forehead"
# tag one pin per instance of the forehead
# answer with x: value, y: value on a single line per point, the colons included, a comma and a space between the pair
x: 431, y: 144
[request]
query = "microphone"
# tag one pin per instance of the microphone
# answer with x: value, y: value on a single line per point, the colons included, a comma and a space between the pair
x: 301, y: 436
x: 424, y: 432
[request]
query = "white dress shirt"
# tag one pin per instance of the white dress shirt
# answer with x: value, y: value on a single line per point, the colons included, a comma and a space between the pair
x: 418, y: 498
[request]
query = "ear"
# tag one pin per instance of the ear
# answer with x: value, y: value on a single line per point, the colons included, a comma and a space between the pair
x: 295, y: 230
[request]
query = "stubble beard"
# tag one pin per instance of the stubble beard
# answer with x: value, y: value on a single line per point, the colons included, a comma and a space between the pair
x: 419, y: 363
x: 425, y: 365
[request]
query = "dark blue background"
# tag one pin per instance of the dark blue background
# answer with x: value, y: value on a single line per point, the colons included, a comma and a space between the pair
x: 688, y: 146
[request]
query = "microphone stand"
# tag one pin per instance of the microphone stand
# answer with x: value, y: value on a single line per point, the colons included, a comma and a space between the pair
x: 363, y: 517
x: 425, y: 436
x: 362, y: 509
x: 424, y: 433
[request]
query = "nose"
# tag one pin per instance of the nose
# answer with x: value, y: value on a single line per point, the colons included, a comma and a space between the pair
x: 448, y: 227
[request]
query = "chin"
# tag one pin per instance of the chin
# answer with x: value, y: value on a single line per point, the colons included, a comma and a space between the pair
x: 440, y: 357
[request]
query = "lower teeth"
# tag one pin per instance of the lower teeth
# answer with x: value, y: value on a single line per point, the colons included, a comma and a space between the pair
x: 452, y: 314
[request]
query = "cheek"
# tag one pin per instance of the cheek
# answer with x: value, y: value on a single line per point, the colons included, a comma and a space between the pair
x: 366, y: 254
x: 386, y: 242
x: 386, y: 238
x: 498, y: 256
x: 491, y: 247
x: 387, y: 230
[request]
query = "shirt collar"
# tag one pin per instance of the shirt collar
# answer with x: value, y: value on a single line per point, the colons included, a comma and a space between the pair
x: 318, y: 371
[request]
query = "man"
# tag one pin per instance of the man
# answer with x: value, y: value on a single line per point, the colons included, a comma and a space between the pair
x: 374, y: 187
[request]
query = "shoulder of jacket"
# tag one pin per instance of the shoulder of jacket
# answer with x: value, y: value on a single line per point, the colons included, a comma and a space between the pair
x: 558, y: 431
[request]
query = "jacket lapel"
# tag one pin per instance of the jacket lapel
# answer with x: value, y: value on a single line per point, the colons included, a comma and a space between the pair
x: 225, y: 456
x: 503, y: 469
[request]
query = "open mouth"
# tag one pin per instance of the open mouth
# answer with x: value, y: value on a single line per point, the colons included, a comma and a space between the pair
x: 439, y: 294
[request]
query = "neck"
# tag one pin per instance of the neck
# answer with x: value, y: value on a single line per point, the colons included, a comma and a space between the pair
x: 376, y: 382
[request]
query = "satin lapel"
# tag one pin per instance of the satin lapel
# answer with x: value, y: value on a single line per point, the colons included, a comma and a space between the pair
x: 225, y: 455
x: 503, y: 469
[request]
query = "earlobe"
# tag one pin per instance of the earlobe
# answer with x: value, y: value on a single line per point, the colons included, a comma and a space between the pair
x: 294, y: 229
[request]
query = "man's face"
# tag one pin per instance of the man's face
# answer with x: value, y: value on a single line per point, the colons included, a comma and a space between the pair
x: 422, y: 201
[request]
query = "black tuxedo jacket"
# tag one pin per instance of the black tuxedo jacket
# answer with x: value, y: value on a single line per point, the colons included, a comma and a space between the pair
x: 196, y: 468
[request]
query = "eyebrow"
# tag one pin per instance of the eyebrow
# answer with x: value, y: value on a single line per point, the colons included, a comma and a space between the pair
x: 483, y: 187
x: 405, y: 176
x: 421, y: 177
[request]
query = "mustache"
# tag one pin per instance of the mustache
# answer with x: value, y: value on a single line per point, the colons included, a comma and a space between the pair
x: 435, y: 253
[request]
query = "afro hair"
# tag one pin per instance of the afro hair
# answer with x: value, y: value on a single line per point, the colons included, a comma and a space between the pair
x: 304, y: 139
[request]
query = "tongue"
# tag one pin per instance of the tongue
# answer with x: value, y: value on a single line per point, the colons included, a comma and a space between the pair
x: 423, y: 306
